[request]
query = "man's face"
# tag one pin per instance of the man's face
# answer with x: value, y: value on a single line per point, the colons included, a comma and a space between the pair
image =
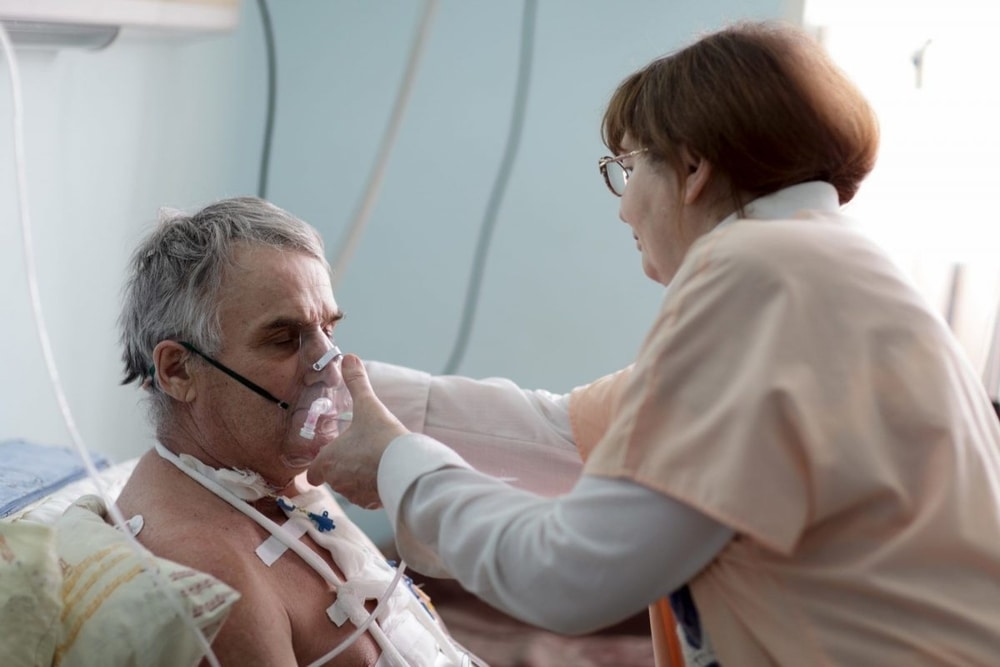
x: 274, y: 307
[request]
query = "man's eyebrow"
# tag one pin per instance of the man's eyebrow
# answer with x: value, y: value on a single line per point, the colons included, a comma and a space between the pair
x: 296, y: 323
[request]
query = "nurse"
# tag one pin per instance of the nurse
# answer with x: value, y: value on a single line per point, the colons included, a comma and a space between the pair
x: 800, y: 459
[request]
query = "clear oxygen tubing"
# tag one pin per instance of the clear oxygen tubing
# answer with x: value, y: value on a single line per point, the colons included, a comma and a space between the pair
x: 352, y: 236
x: 361, y: 629
x: 50, y: 364
x: 308, y: 555
x: 319, y: 407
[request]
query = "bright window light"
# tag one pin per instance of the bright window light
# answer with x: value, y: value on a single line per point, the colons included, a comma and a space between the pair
x: 930, y: 68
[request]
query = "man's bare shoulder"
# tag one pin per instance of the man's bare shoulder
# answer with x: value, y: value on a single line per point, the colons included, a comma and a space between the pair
x: 186, y: 523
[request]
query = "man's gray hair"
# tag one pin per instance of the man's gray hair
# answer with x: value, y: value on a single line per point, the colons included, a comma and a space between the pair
x: 175, y: 274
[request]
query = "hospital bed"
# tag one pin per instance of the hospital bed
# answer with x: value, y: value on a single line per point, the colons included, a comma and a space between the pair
x: 71, y: 591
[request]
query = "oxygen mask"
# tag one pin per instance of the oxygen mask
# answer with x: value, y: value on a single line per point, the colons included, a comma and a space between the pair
x: 324, y: 407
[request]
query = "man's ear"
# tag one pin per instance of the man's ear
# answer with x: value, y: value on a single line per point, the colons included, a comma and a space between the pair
x: 172, y: 375
x: 698, y: 174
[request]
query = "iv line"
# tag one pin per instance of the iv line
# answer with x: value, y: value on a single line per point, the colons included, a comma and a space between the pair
x: 43, y: 337
x: 304, y: 552
x: 360, y: 218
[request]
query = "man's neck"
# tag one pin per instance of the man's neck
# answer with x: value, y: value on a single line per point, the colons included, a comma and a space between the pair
x: 233, y: 473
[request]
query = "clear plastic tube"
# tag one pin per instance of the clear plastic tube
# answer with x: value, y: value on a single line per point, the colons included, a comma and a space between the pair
x: 319, y: 407
x: 158, y: 577
x: 339, y: 407
x: 360, y: 630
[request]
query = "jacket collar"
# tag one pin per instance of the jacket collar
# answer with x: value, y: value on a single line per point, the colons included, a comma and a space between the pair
x: 785, y: 203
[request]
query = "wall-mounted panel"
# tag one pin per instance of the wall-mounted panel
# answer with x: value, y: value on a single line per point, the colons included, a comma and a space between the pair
x: 157, y: 14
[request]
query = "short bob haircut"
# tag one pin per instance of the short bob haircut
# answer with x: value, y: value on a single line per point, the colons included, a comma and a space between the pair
x: 762, y: 102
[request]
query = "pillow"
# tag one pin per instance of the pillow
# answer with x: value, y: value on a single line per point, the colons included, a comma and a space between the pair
x: 115, y: 611
x: 29, y: 595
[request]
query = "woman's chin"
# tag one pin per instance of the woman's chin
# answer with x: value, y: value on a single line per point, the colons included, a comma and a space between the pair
x: 650, y: 271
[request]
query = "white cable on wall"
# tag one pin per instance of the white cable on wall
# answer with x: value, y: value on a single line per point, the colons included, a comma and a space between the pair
x: 360, y: 219
x: 49, y: 357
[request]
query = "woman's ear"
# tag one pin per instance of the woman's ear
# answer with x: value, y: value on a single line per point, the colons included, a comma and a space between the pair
x: 697, y: 177
x: 172, y: 376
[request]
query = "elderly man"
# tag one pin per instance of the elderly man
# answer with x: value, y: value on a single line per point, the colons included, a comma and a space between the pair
x: 228, y: 323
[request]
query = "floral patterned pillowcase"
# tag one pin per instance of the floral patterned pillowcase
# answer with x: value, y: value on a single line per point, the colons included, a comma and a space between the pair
x: 77, y: 593
x: 29, y: 594
x: 116, y: 610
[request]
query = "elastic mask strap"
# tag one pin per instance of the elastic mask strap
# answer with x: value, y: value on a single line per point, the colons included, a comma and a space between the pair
x: 236, y: 376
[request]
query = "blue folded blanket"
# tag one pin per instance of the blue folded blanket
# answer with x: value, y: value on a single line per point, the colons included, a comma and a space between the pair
x: 29, y: 471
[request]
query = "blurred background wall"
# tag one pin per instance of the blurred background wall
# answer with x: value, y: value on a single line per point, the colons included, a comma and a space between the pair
x: 177, y: 117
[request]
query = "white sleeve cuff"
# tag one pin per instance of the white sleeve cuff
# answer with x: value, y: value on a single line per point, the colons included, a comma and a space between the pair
x: 404, y: 461
x: 520, y: 436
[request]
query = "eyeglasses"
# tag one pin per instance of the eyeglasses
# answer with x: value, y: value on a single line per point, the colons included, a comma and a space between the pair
x: 615, y: 173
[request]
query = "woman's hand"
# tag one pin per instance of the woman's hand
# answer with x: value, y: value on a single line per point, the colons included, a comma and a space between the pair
x: 349, y: 464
